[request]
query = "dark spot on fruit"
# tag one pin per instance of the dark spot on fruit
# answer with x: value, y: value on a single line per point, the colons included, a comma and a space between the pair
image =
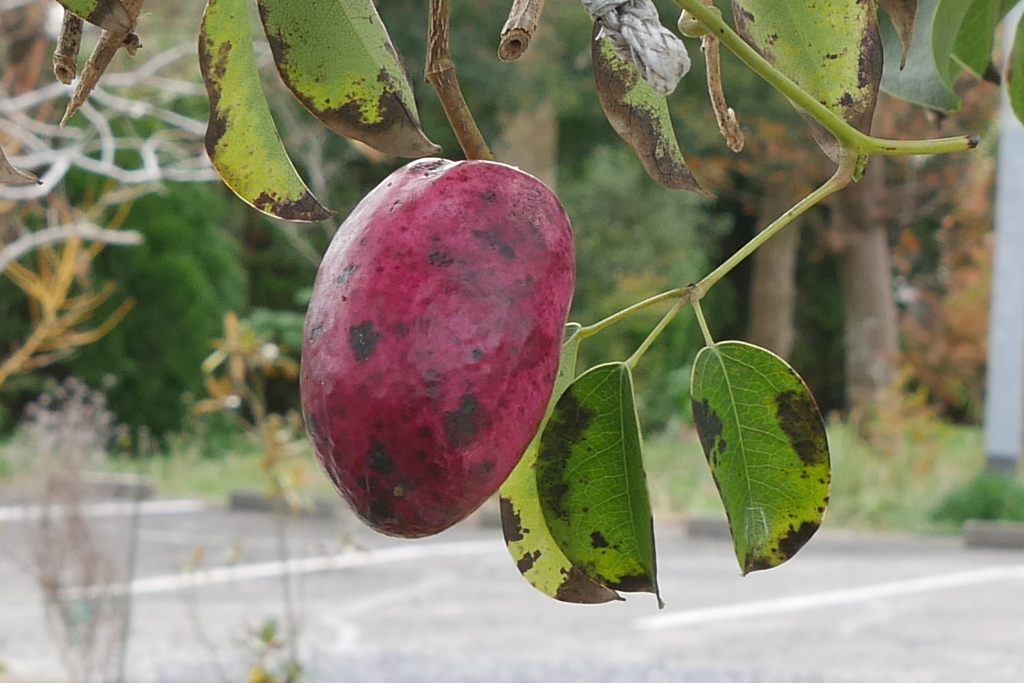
x: 511, y: 523
x: 431, y: 381
x: 832, y: 55
x: 484, y: 468
x: 565, y: 429
x: 847, y: 100
x: 461, y: 425
x: 421, y: 456
x: 345, y: 274
x: 380, y: 508
x: 435, y: 238
x: 315, y: 333
x: 597, y: 540
x: 378, y: 426
x: 796, y: 538
x: 377, y: 458
x: 525, y: 562
x: 709, y: 428
x: 440, y: 258
x: 799, y: 419
x: 363, y: 339
x: 425, y: 432
x: 494, y: 241
x: 363, y: 483
x: 477, y: 353
x: 490, y: 196
x: 432, y: 165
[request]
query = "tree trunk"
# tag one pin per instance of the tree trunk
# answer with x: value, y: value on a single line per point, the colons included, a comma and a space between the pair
x: 869, y: 307
x: 530, y: 141
x: 773, y: 278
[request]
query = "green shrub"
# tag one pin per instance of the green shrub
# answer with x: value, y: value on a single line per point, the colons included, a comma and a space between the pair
x: 990, y: 495
x: 184, y: 277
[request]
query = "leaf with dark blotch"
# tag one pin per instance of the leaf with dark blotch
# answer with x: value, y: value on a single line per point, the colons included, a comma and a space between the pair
x: 832, y: 50
x: 537, y: 556
x: 765, y: 443
x: 641, y: 117
x: 902, y: 14
x: 918, y: 81
x: 241, y: 138
x: 339, y: 62
x: 110, y: 15
x: 591, y: 481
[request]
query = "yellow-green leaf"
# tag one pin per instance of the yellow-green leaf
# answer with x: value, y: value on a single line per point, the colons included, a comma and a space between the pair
x: 241, y: 138
x: 338, y: 60
x: 641, y: 117
x: 831, y: 49
x: 536, y: 554
x: 591, y: 481
x: 765, y: 443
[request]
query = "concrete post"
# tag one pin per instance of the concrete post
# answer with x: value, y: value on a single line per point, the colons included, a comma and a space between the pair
x: 1004, y: 384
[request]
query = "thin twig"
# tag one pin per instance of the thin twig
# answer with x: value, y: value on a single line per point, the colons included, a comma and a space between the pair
x: 728, y: 126
x: 110, y: 42
x: 65, y: 56
x: 519, y: 28
x: 440, y: 72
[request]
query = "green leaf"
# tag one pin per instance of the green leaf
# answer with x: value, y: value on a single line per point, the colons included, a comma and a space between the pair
x: 339, y: 62
x: 241, y: 138
x: 591, y: 481
x: 765, y: 443
x: 902, y: 14
x: 919, y: 81
x: 110, y: 15
x: 949, y: 17
x: 1015, y: 73
x: 536, y: 554
x: 832, y: 50
x: 640, y: 116
x: 976, y: 39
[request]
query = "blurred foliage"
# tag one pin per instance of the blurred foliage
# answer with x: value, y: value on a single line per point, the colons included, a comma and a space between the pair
x: 635, y: 239
x: 184, y: 277
x: 990, y: 495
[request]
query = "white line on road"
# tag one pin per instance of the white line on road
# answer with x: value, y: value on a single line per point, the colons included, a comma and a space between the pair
x: 307, y: 565
x: 23, y: 513
x: 801, y: 603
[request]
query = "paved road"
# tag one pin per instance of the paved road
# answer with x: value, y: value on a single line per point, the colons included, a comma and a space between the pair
x: 453, y: 609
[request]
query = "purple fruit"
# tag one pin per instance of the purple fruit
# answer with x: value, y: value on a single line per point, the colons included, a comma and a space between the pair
x: 432, y: 339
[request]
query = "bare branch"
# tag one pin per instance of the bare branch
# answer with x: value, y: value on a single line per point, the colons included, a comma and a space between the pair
x: 519, y: 28
x: 10, y: 253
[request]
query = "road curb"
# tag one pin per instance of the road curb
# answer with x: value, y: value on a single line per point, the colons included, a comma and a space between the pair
x: 247, y: 500
x: 982, y: 533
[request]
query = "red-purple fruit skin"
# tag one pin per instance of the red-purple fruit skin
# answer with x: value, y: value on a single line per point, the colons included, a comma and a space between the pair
x: 432, y: 339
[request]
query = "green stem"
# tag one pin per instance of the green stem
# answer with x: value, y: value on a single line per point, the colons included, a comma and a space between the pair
x: 849, y: 137
x: 840, y: 179
x: 662, y: 324
x: 591, y: 330
x: 708, y: 339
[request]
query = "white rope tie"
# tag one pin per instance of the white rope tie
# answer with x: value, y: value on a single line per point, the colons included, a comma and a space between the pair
x: 636, y: 33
